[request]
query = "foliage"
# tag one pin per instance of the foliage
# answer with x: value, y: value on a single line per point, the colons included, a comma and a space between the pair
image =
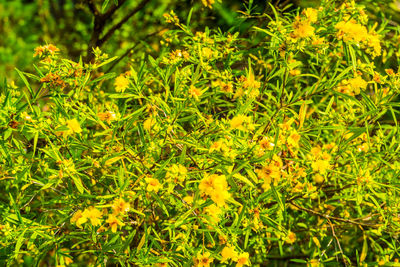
x: 270, y: 146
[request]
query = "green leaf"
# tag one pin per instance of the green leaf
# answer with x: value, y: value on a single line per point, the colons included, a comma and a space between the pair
x: 21, y: 74
x: 78, y: 183
x: 19, y: 243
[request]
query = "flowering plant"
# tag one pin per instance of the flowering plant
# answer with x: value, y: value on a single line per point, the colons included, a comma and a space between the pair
x: 220, y: 151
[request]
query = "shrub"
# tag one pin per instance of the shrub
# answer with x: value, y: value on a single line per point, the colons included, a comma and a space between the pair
x: 222, y: 150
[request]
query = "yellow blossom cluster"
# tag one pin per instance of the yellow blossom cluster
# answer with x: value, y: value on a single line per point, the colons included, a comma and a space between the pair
x: 121, y: 83
x: 94, y: 216
x: 215, y: 187
x: 320, y: 162
x: 49, y: 49
x: 352, y: 31
x: 176, y: 172
x: 352, y: 86
x: 241, y: 122
x: 271, y: 172
x: 229, y: 253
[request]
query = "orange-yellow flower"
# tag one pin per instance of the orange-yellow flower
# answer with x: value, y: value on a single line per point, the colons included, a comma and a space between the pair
x: 114, y: 222
x: 302, y: 29
x: 311, y: 14
x: 195, y: 92
x: 243, y: 259
x: 50, y: 49
x: 208, y: 3
x: 293, y: 139
x: 216, y: 187
x: 75, y: 218
x: 290, y: 238
x: 320, y: 166
x: 108, y: 116
x: 92, y: 214
x: 227, y: 253
x: 204, y: 260
x: 153, y: 185
x: 351, y: 31
x: 120, y: 206
x: 241, y: 122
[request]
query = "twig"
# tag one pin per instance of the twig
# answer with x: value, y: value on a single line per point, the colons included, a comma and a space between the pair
x: 112, y: 9
x: 328, y: 217
x: 338, y: 243
x: 129, y: 51
x: 93, y: 8
x: 110, y: 32
x: 101, y: 20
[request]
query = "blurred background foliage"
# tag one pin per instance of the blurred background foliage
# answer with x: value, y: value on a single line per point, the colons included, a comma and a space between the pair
x: 69, y: 24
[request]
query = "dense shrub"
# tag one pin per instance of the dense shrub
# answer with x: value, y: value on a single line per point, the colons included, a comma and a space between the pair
x: 279, y: 145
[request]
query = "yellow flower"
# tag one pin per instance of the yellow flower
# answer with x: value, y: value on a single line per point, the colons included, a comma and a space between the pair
x: 320, y: 166
x: 351, y: 31
x: 295, y: 72
x: 316, y: 152
x: 219, y: 197
x: 375, y: 44
x: 216, y: 187
x: 266, y: 143
x: 25, y: 116
x: 177, y: 171
x: 75, y: 218
x: 311, y: 14
x: 121, y: 83
x: 318, y: 178
x: 226, y: 87
x: 218, y: 146
x: 290, y: 238
x: 188, y: 199
x: 269, y: 174
x: 214, y: 212
x: 207, y: 52
x: 293, y: 139
x: 108, y: 116
x: 302, y: 29
x: 203, y: 260
x: 113, y: 222
x: 238, y: 121
x: 208, y: 3
x: 153, y: 185
x: 212, y: 182
x: 195, y: 92
x: 120, y: 206
x: 314, y: 263
x: 92, y: 214
x: 149, y: 123
x: 243, y: 259
x: 356, y: 84
x: 227, y: 253
x: 73, y: 126
x: 250, y: 81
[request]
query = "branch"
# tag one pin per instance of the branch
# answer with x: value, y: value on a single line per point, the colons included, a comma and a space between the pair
x: 328, y: 217
x: 338, y: 243
x: 100, y: 21
x: 127, y: 52
x: 112, y: 9
x: 119, y: 24
x: 93, y: 8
